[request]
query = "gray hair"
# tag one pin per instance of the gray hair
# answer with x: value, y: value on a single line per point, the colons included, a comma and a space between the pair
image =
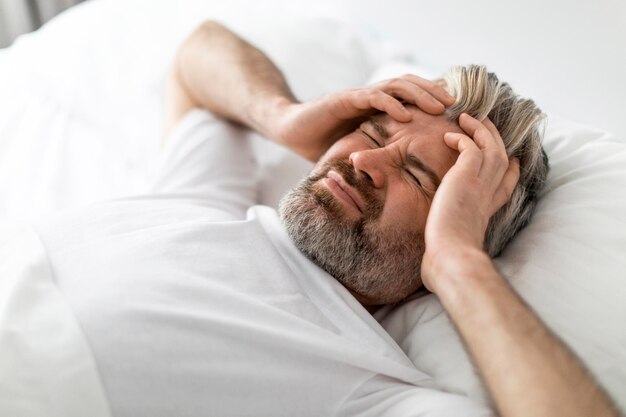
x: 520, y: 123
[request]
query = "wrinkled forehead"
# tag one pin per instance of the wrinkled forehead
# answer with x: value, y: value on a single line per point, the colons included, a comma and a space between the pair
x: 423, y: 137
x: 422, y: 123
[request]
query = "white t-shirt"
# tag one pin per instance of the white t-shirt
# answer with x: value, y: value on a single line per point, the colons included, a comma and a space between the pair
x: 195, y: 304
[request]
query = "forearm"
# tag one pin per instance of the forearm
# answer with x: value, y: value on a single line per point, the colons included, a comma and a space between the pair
x: 527, y: 370
x: 231, y: 78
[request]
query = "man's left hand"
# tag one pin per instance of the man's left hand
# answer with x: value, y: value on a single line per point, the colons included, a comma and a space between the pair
x: 481, y: 181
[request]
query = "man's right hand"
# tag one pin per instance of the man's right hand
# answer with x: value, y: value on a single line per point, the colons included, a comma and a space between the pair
x: 310, y: 128
x: 217, y: 70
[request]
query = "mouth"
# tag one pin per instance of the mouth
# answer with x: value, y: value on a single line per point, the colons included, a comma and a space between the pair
x: 344, y: 192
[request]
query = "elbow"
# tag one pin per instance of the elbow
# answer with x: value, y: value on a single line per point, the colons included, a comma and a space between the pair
x: 212, y: 28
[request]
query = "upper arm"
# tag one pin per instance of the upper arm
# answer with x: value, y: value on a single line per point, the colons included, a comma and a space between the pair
x: 177, y: 100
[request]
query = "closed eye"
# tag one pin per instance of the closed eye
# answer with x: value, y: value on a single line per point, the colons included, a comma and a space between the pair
x: 417, y: 181
x: 370, y: 138
x: 409, y: 173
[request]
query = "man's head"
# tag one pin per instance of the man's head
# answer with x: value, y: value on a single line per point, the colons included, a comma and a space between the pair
x: 361, y: 213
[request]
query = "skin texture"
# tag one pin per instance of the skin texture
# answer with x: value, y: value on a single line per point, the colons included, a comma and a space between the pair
x: 406, y: 191
x: 527, y: 370
x: 372, y: 239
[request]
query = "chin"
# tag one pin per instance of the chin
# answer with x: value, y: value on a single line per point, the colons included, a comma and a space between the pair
x: 377, y: 267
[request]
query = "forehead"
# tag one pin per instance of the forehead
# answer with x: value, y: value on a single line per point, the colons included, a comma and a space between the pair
x: 422, y: 124
x: 421, y: 137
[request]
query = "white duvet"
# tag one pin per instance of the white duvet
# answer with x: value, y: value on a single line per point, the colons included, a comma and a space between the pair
x: 46, y: 366
x: 66, y: 138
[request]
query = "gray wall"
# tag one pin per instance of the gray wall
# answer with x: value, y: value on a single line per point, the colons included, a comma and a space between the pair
x: 22, y: 16
x: 567, y: 55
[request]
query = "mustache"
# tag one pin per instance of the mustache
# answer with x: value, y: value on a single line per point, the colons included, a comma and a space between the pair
x: 373, y: 205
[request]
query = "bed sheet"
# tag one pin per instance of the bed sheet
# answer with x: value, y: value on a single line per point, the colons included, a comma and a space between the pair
x: 80, y: 122
x: 46, y: 366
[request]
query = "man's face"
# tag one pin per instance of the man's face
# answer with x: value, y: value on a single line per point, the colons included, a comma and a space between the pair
x: 362, y: 211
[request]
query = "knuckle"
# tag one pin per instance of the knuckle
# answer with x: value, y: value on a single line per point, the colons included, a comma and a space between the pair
x: 482, y: 130
x: 373, y: 94
x: 498, y: 157
x: 358, y: 93
x: 413, y: 78
x: 390, y: 99
x: 471, y: 148
x: 395, y: 83
x: 423, y: 95
x: 503, y: 159
x: 508, y: 192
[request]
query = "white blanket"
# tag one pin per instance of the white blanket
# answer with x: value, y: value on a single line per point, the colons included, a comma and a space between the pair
x: 46, y: 367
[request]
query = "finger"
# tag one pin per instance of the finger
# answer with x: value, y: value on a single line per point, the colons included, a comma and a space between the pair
x: 413, y: 94
x: 470, y: 157
x: 507, y: 186
x: 366, y: 100
x: 495, y: 159
x: 493, y: 129
x: 390, y: 105
x: 483, y: 137
x: 436, y: 90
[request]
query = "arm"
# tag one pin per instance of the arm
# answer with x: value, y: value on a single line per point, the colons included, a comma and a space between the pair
x: 217, y: 70
x: 527, y: 370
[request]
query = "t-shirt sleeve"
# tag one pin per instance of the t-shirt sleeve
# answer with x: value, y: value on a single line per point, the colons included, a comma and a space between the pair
x: 209, y: 159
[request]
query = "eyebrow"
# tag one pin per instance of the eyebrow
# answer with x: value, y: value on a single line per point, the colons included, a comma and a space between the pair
x: 380, y: 128
x: 412, y: 160
x: 417, y: 163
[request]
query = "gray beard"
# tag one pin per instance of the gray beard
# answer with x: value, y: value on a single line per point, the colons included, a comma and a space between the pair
x: 381, y: 268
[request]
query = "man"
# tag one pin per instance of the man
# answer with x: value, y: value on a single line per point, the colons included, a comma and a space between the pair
x: 193, y: 307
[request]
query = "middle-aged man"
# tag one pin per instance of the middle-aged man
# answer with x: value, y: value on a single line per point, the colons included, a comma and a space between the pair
x: 193, y: 307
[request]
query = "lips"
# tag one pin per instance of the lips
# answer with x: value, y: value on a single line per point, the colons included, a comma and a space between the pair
x: 343, y: 191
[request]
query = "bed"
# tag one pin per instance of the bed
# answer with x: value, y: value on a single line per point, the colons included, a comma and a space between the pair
x: 80, y: 121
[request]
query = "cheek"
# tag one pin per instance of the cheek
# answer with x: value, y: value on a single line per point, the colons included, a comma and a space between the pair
x: 343, y: 148
x: 406, y: 210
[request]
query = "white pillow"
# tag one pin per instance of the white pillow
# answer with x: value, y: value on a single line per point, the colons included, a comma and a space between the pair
x: 568, y: 264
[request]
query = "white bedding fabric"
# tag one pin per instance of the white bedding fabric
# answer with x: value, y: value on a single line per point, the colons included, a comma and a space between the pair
x: 76, y: 81
x: 568, y: 265
x: 192, y: 307
x: 46, y: 366
x: 67, y: 137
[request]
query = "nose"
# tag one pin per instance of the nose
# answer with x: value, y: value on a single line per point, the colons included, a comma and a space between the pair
x: 371, y: 164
